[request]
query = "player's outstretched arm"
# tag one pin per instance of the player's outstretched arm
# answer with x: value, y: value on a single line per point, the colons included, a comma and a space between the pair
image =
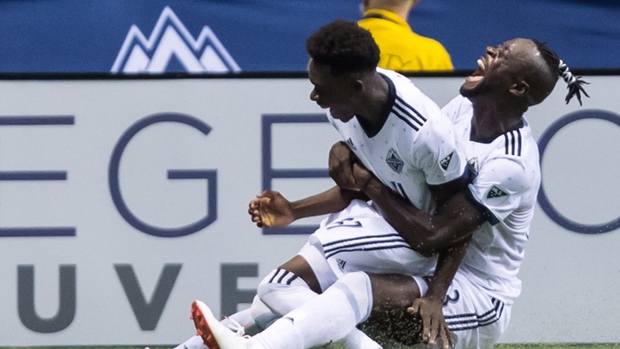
x: 271, y: 209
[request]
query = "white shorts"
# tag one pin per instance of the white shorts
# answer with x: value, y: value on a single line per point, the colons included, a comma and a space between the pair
x: 475, y: 319
x: 359, y: 239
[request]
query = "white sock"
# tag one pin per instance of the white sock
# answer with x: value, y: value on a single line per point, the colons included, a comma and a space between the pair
x: 243, y: 318
x: 325, y: 318
x: 354, y: 340
x: 282, y: 334
x: 261, y: 314
x: 282, y: 291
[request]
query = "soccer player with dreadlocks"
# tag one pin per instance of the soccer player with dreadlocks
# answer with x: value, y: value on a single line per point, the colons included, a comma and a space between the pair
x: 493, y: 214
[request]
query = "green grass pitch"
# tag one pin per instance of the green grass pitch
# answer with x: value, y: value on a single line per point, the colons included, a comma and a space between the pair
x: 499, y: 346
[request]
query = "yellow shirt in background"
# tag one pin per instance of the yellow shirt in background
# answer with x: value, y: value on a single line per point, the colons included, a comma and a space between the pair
x: 401, y: 48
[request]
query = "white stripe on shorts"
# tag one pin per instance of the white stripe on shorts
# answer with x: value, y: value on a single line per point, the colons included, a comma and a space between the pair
x: 461, y: 322
x: 365, y: 243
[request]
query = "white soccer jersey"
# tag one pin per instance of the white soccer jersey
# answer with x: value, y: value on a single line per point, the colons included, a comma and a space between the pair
x: 416, y: 146
x: 505, y: 189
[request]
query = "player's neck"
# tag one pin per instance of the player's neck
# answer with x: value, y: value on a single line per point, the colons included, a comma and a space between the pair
x: 371, y: 113
x: 492, y: 121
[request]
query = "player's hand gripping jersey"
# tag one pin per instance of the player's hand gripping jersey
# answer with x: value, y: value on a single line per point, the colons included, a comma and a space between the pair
x: 415, y: 148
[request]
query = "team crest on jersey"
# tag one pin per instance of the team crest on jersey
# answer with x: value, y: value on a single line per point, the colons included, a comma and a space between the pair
x: 394, y: 161
x: 445, y: 162
x: 496, y: 192
x: 171, y: 47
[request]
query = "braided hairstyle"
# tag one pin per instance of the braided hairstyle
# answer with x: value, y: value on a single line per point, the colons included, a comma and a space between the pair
x: 345, y: 47
x: 575, y: 84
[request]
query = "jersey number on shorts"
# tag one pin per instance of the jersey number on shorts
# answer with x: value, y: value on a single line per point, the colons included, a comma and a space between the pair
x: 347, y: 222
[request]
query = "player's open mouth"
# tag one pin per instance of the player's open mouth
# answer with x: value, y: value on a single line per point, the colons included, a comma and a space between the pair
x: 478, y: 74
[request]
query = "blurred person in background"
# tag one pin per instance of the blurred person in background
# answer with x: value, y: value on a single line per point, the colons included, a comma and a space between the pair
x: 402, y: 49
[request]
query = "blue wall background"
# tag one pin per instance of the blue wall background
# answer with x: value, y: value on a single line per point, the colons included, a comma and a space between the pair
x: 85, y: 36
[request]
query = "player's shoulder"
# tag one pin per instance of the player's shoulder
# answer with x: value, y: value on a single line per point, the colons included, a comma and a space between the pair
x: 407, y: 93
x: 518, y: 144
x: 516, y: 174
x: 458, y: 109
x: 514, y: 157
x: 399, y: 80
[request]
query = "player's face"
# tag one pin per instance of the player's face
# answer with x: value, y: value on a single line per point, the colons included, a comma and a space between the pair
x: 333, y: 92
x: 499, y: 68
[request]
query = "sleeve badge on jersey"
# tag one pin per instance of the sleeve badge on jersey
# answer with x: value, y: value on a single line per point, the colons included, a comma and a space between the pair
x: 394, y: 161
x: 445, y: 162
x: 496, y: 192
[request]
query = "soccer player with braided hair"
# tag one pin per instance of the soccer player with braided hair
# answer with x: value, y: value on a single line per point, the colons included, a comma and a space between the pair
x: 499, y: 204
x: 493, y: 215
x: 575, y: 84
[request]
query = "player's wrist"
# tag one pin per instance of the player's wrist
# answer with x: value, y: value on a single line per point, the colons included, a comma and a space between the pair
x: 369, y: 185
x: 437, y: 293
x: 299, y: 209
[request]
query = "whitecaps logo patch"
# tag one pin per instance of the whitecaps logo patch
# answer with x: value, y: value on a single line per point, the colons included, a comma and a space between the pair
x: 171, y: 39
x: 394, y: 161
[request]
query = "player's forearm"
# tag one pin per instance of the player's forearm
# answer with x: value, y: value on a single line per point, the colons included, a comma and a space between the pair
x: 329, y: 201
x: 454, y: 221
x: 447, y: 265
x: 413, y: 225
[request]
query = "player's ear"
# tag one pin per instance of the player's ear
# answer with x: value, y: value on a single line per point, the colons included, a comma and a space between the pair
x: 520, y: 89
x: 358, y: 85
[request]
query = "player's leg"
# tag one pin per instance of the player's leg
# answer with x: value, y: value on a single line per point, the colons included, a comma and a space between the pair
x: 241, y: 322
x: 322, y: 319
x: 391, y: 295
x: 295, y: 282
x: 328, y: 317
x: 284, y: 295
x: 261, y: 316
x: 355, y: 239
x: 389, y: 320
x: 299, y: 279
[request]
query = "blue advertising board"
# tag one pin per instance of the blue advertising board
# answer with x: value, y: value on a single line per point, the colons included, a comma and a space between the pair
x: 215, y: 36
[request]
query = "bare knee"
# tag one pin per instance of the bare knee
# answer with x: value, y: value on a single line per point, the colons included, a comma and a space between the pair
x: 300, y: 267
x: 392, y: 294
x: 393, y: 291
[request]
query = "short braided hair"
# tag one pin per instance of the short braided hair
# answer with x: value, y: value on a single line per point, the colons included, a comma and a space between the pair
x: 575, y: 84
x: 344, y: 46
